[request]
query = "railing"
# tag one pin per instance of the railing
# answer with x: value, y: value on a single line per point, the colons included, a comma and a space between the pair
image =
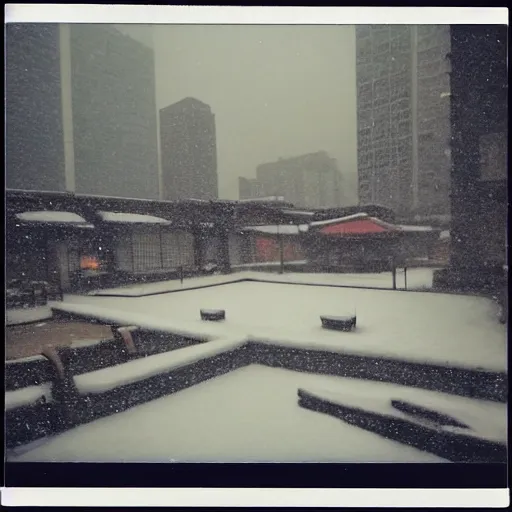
x: 31, y: 294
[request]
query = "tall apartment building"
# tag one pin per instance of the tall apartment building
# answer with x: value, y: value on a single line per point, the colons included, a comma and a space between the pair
x: 81, y: 110
x: 403, y: 110
x: 188, y: 151
x: 308, y: 181
x: 34, y: 142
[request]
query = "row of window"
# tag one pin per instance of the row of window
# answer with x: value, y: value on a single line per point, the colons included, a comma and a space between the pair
x: 145, y: 252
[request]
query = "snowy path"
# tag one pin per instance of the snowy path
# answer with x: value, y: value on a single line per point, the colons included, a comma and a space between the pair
x: 248, y: 415
x: 443, y: 329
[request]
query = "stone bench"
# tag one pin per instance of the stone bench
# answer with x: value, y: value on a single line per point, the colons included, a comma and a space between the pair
x: 339, y: 323
x: 213, y: 315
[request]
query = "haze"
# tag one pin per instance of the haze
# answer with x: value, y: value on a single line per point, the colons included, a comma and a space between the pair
x: 276, y: 91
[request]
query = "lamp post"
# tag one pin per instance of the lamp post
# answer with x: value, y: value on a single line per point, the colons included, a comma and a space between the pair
x: 281, y: 251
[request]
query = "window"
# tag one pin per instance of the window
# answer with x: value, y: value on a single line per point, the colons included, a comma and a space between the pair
x: 381, y: 88
x: 146, y: 252
x: 177, y: 249
x: 123, y: 253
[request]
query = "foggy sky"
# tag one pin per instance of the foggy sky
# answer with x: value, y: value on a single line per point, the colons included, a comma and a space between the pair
x: 276, y: 91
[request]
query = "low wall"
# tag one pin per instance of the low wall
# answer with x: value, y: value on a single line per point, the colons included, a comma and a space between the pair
x: 69, y: 408
x: 457, y: 381
x: 27, y: 372
x: 31, y: 422
x: 453, y: 446
x: 83, y: 408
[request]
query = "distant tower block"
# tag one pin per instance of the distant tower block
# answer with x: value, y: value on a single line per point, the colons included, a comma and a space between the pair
x: 213, y: 315
x: 188, y: 144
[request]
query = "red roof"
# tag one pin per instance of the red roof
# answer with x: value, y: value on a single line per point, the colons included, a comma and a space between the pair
x: 357, y: 227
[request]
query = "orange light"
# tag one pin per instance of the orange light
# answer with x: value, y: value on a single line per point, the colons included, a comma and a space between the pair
x: 89, y: 263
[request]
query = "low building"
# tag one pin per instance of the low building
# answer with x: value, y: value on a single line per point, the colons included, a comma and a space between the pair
x: 362, y: 243
x: 72, y: 240
x: 250, y: 188
x: 267, y: 243
x: 308, y: 181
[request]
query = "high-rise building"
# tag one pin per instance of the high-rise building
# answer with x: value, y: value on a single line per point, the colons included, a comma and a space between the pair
x: 308, y: 181
x: 33, y: 109
x: 188, y: 151
x: 81, y: 110
x: 403, y: 110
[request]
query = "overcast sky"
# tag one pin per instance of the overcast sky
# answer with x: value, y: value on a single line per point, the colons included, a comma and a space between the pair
x: 276, y: 91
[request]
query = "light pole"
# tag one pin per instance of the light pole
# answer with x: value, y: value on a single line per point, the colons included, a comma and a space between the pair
x: 281, y: 251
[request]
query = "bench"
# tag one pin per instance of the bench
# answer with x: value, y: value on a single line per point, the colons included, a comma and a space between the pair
x: 213, y: 315
x: 339, y: 323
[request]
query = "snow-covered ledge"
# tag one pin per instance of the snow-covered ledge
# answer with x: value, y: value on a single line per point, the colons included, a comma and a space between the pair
x: 107, y: 379
x: 19, y: 316
x: 27, y: 396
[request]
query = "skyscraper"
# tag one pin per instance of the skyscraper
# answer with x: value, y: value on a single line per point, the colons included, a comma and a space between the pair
x: 81, y: 112
x: 33, y: 110
x: 308, y: 181
x: 188, y: 151
x: 403, y: 103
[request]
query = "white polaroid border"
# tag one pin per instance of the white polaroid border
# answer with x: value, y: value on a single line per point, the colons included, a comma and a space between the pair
x: 142, y: 14
x: 186, y: 497
x: 208, y: 497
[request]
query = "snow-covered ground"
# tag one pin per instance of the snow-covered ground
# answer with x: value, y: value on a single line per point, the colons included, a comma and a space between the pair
x: 25, y: 315
x: 426, y: 327
x: 417, y: 279
x: 249, y: 415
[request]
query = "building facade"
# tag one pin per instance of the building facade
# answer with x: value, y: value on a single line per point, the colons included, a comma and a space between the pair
x: 188, y: 151
x: 307, y: 181
x: 34, y: 132
x: 403, y: 104
x: 479, y: 115
x: 81, y: 110
x: 114, y: 113
x: 250, y: 188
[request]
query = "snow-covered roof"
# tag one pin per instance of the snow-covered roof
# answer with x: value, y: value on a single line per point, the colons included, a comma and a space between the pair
x: 436, y: 217
x: 282, y: 229
x: 298, y: 212
x: 403, y: 227
x: 263, y: 199
x: 358, y: 216
x: 131, y: 218
x: 53, y: 217
x: 355, y: 216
